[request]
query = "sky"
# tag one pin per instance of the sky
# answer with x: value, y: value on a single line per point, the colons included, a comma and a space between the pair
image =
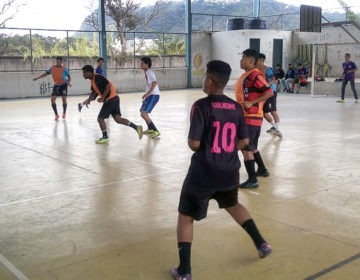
x: 69, y: 14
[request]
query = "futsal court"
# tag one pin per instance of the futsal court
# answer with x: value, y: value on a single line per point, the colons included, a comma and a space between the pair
x: 71, y: 209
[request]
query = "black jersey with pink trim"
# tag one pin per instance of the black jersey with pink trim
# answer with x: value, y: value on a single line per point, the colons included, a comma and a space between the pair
x: 218, y: 123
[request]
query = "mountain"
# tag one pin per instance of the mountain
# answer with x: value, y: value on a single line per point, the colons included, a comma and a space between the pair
x: 172, y: 17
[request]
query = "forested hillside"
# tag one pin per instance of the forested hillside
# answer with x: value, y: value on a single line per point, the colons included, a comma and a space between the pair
x: 172, y: 17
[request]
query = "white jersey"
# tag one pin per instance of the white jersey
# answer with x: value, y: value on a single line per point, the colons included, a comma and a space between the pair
x: 149, y: 79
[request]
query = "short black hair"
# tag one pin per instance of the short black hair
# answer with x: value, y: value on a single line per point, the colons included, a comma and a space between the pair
x: 262, y: 56
x: 88, y: 68
x: 100, y: 58
x: 146, y: 60
x: 251, y: 53
x: 59, y: 58
x: 218, y: 71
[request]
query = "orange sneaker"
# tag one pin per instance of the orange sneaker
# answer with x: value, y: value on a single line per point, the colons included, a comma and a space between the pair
x: 64, y: 116
x: 56, y: 117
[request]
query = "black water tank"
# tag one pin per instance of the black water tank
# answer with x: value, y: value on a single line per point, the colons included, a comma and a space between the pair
x: 257, y: 23
x: 236, y: 23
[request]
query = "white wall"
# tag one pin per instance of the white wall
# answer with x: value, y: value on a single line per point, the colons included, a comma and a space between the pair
x: 229, y: 45
x: 20, y: 85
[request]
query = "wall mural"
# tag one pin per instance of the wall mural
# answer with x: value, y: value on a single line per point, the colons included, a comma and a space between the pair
x: 198, y: 64
x: 45, y: 88
x: 304, y: 56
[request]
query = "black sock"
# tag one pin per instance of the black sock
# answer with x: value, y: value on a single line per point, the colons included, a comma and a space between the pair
x: 259, y: 161
x: 184, y: 256
x: 253, y: 231
x: 134, y: 126
x: 151, y: 126
x: 250, y: 169
x: 105, y: 135
x: 64, y: 108
x: 53, y: 105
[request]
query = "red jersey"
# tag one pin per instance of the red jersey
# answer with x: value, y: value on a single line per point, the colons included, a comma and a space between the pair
x: 251, y: 85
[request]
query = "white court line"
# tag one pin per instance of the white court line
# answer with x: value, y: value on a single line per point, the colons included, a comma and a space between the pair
x: 256, y: 193
x: 81, y: 189
x: 12, y: 268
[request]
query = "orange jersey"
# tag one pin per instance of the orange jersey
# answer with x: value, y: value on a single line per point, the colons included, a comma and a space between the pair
x: 251, y: 85
x: 60, y: 74
x: 98, y: 84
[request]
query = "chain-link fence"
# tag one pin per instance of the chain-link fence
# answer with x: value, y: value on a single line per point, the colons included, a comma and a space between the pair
x: 35, y: 49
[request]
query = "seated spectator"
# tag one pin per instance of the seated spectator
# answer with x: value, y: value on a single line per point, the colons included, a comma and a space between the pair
x: 288, y: 81
x: 278, y: 74
x: 301, y: 77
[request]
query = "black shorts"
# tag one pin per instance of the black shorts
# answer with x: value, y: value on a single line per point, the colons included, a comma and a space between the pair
x: 59, y: 90
x: 110, y: 107
x: 270, y: 104
x: 254, y: 134
x: 194, y: 201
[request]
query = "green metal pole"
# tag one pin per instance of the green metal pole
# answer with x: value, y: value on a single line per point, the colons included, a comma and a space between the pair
x: 102, y: 34
x: 188, y: 29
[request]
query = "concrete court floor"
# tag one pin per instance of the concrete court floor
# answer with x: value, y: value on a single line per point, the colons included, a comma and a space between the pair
x: 71, y: 209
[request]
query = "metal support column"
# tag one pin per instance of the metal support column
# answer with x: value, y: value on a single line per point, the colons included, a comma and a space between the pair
x: 102, y: 34
x: 188, y: 29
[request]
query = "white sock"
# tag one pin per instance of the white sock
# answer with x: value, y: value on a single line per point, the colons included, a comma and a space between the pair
x: 277, y: 126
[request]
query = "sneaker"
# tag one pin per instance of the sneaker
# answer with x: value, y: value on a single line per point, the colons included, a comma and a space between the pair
x: 356, y: 101
x: 102, y: 141
x: 148, y: 131
x: 56, y: 117
x: 155, y: 134
x: 64, y: 116
x: 297, y: 92
x: 249, y: 185
x: 139, y: 131
x: 80, y: 107
x: 340, y: 101
x: 271, y: 130
x: 278, y: 133
x: 177, y: 276
x: 264, y: 250
x: 264, y: 173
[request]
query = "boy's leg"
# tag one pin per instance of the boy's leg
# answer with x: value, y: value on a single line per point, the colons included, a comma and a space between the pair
x: 151, y: 126
x: 352, y: 84
x: 105, y: 137
x: 64, y: 97
x: 184, y: 238
x: 343, y: 86
x: 123, y: 121
x: 53, y: 105
x: 242, y: 216
x: 262, y: 171
x: 249, y: 163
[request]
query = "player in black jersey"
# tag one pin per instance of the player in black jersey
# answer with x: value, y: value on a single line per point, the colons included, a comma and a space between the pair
x: 217, y: 131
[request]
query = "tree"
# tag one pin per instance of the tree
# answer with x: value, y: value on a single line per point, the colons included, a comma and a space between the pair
x: 126, y: 17
x: 6, y: 14
x: 350, y: 15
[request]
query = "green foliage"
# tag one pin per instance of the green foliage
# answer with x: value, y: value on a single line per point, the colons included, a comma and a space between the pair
x: 350, y: 15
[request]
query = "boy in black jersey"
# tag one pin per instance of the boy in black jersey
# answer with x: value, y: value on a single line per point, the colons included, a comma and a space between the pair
x: 217, y: 131
x: 105, y: 92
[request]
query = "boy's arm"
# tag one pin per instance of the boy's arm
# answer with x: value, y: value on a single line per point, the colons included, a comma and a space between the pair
x: 106, y: 93
x: 43, y: 75
x: 267, y: 94
x: 194, y: 145
x: 242, y: 144
x: 153, y: 85
x: 91, y: 97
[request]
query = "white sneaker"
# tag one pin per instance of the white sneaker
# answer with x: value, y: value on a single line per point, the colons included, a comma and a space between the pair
x: 278, y: 133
